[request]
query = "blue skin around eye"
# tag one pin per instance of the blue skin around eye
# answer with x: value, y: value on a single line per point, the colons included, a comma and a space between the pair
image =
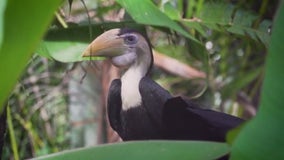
x: 130, y: 39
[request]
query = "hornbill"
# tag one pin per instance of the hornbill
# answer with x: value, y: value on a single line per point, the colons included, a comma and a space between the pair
x: 139, y: 108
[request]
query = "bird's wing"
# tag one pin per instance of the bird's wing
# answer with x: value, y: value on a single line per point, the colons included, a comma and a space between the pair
x: 183, y: 120
x: 216, y: 118
x: 154, y: 98
x: 114, y: 105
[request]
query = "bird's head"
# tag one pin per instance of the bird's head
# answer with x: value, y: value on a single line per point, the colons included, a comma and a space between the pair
x: 125, y: 48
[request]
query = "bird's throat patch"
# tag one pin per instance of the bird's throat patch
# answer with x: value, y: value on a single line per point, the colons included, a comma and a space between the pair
x: 130, y: 95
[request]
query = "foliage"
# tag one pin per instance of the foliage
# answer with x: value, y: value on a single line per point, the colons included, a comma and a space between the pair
x: 16, y: 31
x: 40, y: 128
x: 226, y: 40
x: 255, y: 142
x: 147, y: 13
x: 12, y: 134
x: 147, y: 150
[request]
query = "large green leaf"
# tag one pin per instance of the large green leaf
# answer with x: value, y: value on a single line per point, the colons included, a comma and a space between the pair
x: 145, y: 12
x: 24, y: 25
x: 64, y: 51
x: 68, y: 44
x: 262, y: 138
x: 141, y: 150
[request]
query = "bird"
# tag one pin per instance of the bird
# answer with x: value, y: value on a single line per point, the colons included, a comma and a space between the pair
x: 138, y: 108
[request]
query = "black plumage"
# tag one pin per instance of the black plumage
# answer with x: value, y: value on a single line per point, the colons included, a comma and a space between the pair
x: 162, y: 116
x: 184, y: 120
x: 140, y: 122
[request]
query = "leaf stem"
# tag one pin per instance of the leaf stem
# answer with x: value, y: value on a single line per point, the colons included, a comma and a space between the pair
x: 12, y: 134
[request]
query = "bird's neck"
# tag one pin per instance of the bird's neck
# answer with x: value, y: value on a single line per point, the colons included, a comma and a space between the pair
x: 130, y: 95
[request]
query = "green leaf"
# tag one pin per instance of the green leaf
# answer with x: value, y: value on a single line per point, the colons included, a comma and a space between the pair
x: 24, y: 26
x: 64, y: 51
x: 196, y: 25
x: 264, y: 31
x: 147, y: 13
x: 141, y: 150
x: 216, y: 13
x: 171, y: 10
x: 67, y: 45
x: 2, y: 11
x: 262, y: 138
x: 244, y: 18
x: 43, y: 51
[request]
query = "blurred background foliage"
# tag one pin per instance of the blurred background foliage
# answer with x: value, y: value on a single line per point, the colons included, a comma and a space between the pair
x: 57, y: 106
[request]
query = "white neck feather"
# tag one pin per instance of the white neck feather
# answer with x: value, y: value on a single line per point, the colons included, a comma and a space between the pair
x: 130, y: 94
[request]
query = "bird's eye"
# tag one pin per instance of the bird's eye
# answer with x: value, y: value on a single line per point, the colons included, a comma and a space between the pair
x: 130, y: 39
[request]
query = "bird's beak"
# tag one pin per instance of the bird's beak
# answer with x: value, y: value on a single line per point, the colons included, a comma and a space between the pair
x: 108, y: 44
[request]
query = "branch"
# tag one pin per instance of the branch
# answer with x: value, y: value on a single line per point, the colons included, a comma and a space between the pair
x: 176, y: 67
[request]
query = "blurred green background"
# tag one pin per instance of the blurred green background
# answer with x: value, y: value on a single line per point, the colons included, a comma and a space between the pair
x: 217, y: 49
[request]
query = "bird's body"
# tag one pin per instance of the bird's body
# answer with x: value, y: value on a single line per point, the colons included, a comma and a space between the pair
x: 143, y: 121
x: 161, y: 116
x: 139, y: 108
